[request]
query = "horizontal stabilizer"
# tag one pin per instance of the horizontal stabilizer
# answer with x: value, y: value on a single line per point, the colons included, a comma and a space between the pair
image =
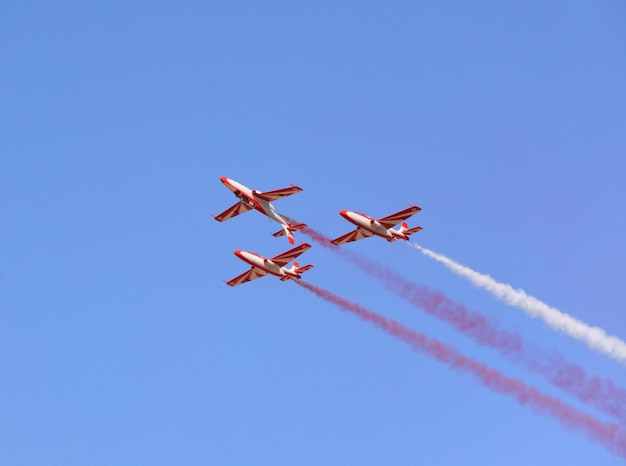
x: 304, y: 268
x: 298, y: 226
x: 412, y: 230
x: 291, y: 228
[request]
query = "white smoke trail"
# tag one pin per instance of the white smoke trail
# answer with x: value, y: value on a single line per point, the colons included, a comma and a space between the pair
x: 595, y: 337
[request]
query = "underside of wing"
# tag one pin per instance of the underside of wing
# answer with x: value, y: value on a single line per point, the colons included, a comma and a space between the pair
x: 232, y: 211
x: 247, y: 276
x: 286, y: 257
x: 393, y: 219
x: 278, y: 193
x: 354, y: 235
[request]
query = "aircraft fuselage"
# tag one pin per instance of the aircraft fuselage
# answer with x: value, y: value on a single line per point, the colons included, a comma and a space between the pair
x: 260, y: 262
x: 373, y: 226
x: 247, y: 196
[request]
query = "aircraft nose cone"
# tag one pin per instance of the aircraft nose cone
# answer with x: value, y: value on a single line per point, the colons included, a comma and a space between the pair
x: 343, y: 213
x: 238, y: 253
x: 223, y: 179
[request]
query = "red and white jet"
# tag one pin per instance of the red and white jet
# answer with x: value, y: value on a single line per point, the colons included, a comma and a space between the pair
x: 252, y: 199
x: 262, y: 266
x: 367, y: 226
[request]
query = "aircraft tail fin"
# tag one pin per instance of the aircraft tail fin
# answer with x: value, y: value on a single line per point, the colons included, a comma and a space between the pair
x: 405, y: 232
x: 289, y: 235
x: 288, y: 231
x: 299, y: 270
x: 304, y: 268
x: 410, y: 231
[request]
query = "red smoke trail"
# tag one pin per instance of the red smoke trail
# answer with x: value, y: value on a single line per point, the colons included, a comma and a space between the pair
x: 608, y: 434
x: 601, y: 393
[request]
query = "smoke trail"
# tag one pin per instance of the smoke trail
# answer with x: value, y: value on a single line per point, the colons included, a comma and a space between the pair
x: 609, y: 435
x: 569, y: 377
x: 595, y: 337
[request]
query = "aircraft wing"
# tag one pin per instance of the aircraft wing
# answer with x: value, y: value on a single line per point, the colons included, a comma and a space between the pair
x: 393, y: 219
x: 354, y: 235
x: 247, y: 276
x: 278, y: 193
x: 283, y: 259
x: 233, y: 211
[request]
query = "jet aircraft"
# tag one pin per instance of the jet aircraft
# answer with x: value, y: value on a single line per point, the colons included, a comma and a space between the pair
x: 252, y: 199
x: 367, y: 226
x: 262, y: 266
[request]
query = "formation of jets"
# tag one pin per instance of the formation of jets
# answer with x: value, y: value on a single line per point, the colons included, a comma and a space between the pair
x: 260, y: 266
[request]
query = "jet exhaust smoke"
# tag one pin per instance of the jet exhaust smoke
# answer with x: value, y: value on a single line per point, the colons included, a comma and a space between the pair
x: 595, y: 337
x: 569, y: 377
x: 610, y: 435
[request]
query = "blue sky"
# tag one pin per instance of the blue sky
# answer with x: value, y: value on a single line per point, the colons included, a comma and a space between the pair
x: 119, y: 342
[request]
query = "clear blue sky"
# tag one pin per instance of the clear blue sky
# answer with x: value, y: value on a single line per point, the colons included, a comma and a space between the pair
x: 119, y: 342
